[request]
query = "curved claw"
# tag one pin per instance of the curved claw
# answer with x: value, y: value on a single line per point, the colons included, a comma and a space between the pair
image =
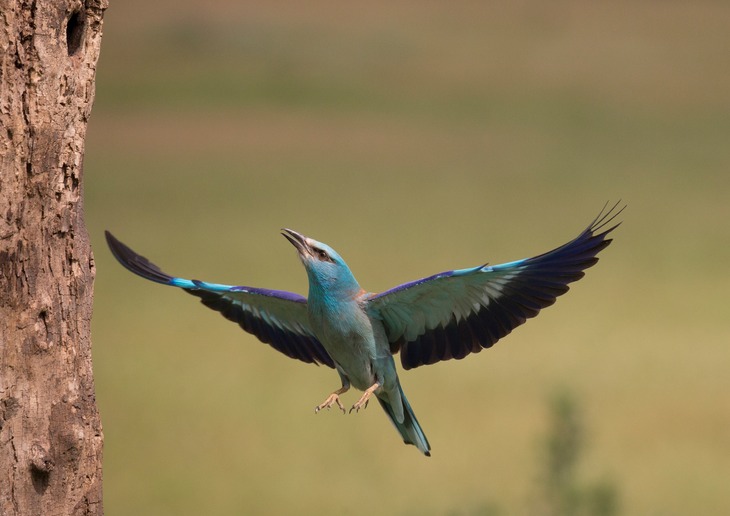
x: 357, y: 406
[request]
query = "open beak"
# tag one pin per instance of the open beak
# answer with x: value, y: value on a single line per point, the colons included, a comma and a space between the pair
x: 298, y: 240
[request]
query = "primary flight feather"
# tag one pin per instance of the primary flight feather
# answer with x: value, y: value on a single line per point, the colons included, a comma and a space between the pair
x: 340, y: 325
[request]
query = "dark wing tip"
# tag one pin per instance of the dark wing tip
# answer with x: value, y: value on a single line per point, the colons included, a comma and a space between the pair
x: 606, y: 217
x: 134, y: 262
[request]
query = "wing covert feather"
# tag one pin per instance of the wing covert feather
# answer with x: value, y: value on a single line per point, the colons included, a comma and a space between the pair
x: 455, y: 313
x: 275, y: 317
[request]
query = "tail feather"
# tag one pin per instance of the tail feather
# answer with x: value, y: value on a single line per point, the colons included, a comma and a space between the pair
x: 409, y: 429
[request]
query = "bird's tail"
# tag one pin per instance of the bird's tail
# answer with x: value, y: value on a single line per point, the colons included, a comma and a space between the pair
x: 409, y: 429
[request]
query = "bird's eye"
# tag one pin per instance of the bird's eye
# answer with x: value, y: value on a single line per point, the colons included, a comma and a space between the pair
x: 322, y: 255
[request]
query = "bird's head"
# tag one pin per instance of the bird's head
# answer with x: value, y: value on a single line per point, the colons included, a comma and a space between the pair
x: 326, y: 269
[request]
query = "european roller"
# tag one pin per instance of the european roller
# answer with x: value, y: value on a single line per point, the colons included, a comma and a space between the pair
x: 442, y: 317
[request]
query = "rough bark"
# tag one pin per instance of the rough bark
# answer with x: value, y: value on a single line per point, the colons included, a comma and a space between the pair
x: 50, y: 431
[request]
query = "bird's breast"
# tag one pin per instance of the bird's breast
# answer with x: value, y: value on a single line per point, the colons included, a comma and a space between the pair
x: 348, y: 335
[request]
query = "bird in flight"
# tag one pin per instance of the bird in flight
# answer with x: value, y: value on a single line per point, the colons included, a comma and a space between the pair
x: 442, y: 317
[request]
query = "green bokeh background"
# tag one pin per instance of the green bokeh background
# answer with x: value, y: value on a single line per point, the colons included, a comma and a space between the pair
x: 413, y: 137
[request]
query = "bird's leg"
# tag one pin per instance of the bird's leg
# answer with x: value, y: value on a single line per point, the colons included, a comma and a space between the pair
x: 362, y: 403
x: 332, y: 399
x: 335, y: 396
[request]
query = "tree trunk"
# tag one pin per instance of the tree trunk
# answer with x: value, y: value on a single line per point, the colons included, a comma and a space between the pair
x: 50, y: 431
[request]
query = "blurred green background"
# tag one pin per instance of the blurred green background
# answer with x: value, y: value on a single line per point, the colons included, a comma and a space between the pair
x: 413, y: 137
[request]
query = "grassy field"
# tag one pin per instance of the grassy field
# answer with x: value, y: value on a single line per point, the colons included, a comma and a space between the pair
x: 413, y: 138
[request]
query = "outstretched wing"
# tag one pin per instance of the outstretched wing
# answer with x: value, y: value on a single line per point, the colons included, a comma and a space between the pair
x: 455, y: 313
x: 276, y: 317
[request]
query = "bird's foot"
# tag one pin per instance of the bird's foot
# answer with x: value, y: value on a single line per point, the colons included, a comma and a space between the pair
x: 332, y: 399
x: 362, y: 403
